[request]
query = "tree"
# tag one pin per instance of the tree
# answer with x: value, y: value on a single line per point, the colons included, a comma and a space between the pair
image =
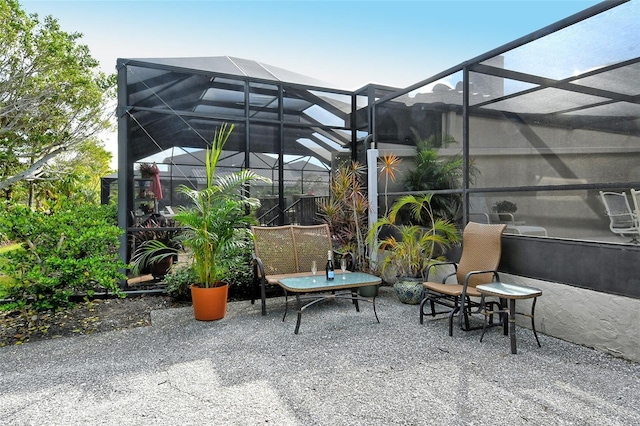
x: 52, y: 97
x: 73, y: 177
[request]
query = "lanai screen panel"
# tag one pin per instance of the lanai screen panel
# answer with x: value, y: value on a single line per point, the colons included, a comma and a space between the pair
x: 560, y: 122
x: 427, y: 118
x: 287, y: 125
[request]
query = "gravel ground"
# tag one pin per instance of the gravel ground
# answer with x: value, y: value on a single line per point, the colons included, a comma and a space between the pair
x: 342, y: 369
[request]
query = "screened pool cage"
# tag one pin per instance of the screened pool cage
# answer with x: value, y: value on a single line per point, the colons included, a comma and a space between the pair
x: 545, y: 122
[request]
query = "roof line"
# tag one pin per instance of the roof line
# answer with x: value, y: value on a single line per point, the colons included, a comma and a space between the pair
x: 237, y: 66
x: 265, y: 68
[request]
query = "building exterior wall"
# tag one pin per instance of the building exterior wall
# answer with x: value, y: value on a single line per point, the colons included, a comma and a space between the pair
x: 602, y: 321
x: 605, y: 322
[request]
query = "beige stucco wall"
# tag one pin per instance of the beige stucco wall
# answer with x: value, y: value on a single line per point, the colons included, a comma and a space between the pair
x: 605, y: 322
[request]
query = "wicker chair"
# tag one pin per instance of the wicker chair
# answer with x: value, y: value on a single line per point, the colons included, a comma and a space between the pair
x: 287, y: 251
x: 481, y: 252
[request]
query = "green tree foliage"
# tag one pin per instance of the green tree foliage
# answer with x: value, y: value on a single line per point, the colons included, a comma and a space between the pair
x: 435, y: 172
x: 71, y: 251
x: 73, y: 177
x: 52, y: 98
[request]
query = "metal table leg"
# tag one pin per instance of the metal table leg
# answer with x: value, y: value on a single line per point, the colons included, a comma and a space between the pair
x: 533, y: 324
x: 317, y: 299
x: 299, y: 306
x: 512, y: 324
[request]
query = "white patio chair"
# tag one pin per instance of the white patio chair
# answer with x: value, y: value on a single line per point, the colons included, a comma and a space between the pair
x: 622, y: 220
x: 479, y: 212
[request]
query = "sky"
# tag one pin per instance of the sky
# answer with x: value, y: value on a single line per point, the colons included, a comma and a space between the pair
x: 346, y: 43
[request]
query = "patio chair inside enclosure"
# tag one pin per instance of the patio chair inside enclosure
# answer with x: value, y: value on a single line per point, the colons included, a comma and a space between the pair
x: 622, y: 220
x: 288, y: 251
x: 635, y: 197
x: 479, y: 212
x: 481, y: 252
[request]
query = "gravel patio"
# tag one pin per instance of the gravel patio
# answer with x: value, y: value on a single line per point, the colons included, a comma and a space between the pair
x: 342, y: 369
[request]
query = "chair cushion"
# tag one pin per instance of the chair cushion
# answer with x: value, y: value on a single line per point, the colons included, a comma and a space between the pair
x: 451, y: 289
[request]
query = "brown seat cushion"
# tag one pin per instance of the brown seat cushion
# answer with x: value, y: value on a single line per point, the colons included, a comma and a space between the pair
x: 451, y: 289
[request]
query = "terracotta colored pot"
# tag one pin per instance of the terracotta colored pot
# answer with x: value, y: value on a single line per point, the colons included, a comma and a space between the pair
x: 209, y: 304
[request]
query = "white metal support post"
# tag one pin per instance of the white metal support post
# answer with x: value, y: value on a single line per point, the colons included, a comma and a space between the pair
x: 372, y: 190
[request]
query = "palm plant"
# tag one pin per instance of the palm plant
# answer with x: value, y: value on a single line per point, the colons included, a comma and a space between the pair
x: 154, y: 244
x: 434, y: 172
x: 410, y: 249
x: 217, y: 222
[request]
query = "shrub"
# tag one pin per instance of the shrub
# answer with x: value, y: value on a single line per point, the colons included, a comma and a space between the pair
x: 68, y: 252
x: 179, y: 281
x: 504, y: 206
x: 239, y: 276
x: 346, y: 211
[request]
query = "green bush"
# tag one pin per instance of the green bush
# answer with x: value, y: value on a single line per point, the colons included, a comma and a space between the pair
x: 68, y: 252
x: 179, y: 282
x: 239, y: 277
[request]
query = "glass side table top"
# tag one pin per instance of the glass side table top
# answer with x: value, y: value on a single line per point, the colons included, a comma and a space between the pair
x: 509, y: 290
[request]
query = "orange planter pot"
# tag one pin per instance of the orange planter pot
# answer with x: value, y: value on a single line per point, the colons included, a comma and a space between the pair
x: 209, y: 304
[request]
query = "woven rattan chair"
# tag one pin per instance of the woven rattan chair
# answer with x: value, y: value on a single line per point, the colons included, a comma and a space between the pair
x: 481, y: 252
x: 287, y: 251
x: 622, y: 220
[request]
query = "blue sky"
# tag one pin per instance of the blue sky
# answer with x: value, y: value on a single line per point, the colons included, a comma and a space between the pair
x: 345, y: 43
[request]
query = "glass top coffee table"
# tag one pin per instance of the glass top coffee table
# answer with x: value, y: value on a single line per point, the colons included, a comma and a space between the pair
x: 344, y: 286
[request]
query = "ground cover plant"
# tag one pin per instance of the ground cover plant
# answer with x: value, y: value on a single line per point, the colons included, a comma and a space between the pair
x: 85, y: 317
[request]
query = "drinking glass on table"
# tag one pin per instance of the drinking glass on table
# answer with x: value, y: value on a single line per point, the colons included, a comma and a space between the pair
x: 314, y: 270
x: 343, y: 266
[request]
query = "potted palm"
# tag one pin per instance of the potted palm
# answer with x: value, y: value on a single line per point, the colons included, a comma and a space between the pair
x: 408, y: 249
x: 157, y: 246
x: 215, y: 225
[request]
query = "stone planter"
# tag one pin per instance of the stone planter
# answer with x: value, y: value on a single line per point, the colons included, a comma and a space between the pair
x: 409, y: 290
x: 505, y: 217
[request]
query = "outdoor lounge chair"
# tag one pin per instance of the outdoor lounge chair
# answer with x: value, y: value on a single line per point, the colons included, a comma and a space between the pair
x: 479, y: 212
x: 481, y: 252
x: 635, y: 196
x: 622, y: 220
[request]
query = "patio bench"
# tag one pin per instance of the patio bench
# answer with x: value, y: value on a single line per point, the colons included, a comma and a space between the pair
x: 287, y: 252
